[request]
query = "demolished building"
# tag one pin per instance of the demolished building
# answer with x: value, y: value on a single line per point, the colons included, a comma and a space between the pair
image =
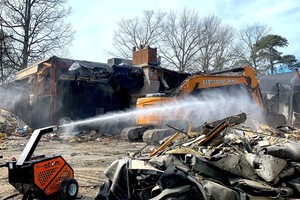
x: 281, y: 94
x: 58, y: 88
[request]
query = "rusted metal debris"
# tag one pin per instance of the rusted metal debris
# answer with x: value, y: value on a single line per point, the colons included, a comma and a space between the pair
x: 220, y: 160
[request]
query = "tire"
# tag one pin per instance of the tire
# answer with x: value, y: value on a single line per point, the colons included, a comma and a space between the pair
x: 68, y: 189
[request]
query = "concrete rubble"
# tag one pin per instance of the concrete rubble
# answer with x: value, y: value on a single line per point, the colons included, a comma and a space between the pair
x: 220, y: 160
x: 11, y: 125
x: 78, y: 136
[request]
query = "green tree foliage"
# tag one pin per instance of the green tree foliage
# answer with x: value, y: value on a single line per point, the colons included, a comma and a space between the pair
x: 266, y: 48
x: 288, y: 60
x: 188, y: 42
x: 245, y: 49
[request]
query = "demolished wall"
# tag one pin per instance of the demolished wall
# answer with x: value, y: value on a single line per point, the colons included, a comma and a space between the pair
x: 281, y: 95
x: 58, y: 88
x: 51, y: 91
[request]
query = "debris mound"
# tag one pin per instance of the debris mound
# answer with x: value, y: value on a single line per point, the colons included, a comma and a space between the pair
x: 219, y: 160
x: 11, y: 125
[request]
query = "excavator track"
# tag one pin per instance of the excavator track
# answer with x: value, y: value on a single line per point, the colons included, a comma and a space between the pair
x: 156, y: 135
x: 145, y: 134
x: 134, y: 133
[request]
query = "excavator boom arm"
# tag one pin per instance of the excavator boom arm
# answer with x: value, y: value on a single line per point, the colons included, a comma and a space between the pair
x: 203, y: 81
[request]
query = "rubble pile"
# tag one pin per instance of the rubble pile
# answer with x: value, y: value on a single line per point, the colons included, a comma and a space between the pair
x: 219, y: 160
x: 77, y: 136
x: 8, y: 122
x: 11, y: 125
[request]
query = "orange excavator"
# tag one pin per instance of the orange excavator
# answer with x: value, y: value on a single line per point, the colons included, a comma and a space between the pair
x: 151, y: 127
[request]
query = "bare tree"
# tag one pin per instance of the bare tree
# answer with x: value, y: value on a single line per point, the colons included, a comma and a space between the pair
x: 137, y: 32
x: 215, y: 45
x: 36, y: 29
x: 246, y: 51
x: 185, y: 41
x: 180, y: 39
x: 6, y: 70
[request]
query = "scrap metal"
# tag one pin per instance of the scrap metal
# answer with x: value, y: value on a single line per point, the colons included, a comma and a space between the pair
x: 220, y: 160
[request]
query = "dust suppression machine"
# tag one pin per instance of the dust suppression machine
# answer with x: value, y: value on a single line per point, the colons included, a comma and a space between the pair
x: 40, y: 176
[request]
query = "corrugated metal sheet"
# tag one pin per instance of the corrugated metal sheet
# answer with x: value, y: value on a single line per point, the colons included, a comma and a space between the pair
x: 268, y: 82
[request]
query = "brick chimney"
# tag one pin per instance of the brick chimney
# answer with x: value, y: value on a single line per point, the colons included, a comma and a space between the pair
x: 144, y: 56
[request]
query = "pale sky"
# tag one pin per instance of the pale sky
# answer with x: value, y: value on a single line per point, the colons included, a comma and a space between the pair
x: 95, y: 20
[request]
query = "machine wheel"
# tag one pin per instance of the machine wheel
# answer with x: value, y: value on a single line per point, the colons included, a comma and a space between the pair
x: 68, y: 189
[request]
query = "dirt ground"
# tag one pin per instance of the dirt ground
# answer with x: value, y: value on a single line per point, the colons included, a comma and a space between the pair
x: 89, y: 160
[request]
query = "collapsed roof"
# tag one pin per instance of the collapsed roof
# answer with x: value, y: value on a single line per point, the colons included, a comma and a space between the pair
x: 289, y: 81
x: 90, y: 69
x: 281, y: 93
